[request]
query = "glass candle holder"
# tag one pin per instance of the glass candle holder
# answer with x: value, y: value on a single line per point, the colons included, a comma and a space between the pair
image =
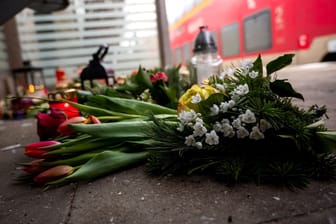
x: 55, y: 102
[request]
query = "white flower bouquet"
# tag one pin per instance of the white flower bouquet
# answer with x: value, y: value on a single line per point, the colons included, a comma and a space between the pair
x: 242, y: 126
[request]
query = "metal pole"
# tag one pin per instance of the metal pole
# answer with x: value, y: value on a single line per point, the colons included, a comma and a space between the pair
x: 162, y: 23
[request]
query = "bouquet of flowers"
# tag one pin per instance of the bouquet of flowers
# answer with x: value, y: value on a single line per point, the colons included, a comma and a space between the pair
x: 160, y: 86
x: 241, y: 127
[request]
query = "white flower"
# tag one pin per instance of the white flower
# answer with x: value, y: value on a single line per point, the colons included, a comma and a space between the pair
x: 236, y: 123
x: 145, y: 95
x: 222, y: 75
x: 230, y: 71
x: 228, y: 130
x: 180, y: 127
x: 198, y: 145
x: 214, y: 110
x: 231, y: 103
x: 224, y: 106
x: 248, y: 117
x: 212, y: 138
x: 199, y: 120
x: 264, y: 125
x: 253, y: 74
x: 187, y: 116
x: 225, y: 121
x: 199, y: 129
x: 196, y: 99
x: 241, y: 90
x: 246, y: 64
x: 227, y: 72
x: 217, y: 127
x: 220, y: 87
x: 242, y: 132
x: 190, y: 140
x: 256, y: 134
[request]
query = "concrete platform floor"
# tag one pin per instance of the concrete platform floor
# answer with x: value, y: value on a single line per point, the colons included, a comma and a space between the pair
x: 131, y: 197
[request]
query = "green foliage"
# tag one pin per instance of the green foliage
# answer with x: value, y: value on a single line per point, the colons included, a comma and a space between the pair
x: 143, y: 86
x: 279, y: 63
x: 295, y: 150
x: 102, y: 164
x: 284, y: 89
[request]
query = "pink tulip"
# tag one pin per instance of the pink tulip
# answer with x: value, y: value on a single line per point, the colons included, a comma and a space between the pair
x: 92, y: 120
x: 159, y: 76
x: 64, y: 129
x: 53, y: 173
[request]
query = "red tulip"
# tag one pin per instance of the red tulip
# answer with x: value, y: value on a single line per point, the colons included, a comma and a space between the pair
x: 35, y: 150
x: 53, y: 173
x: 34, y: 167
x: 159, y: 76
x: 63, y: 128
x: 47, y: 123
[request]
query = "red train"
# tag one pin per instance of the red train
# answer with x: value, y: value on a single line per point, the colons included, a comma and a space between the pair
x: 246, y: 28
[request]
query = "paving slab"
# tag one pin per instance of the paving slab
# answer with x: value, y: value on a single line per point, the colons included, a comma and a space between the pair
x: 22, y: 203
x: 133, y: 197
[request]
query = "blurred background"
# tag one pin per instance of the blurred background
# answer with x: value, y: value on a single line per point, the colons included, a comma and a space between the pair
x: 58, y: 37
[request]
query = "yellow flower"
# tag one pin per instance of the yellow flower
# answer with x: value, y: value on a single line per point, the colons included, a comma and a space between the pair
x: 185, y: 101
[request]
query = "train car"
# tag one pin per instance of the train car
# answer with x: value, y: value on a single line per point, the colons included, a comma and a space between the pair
x: 245, y: 28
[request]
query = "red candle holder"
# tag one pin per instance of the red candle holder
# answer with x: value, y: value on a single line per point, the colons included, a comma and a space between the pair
x: 55, y: 102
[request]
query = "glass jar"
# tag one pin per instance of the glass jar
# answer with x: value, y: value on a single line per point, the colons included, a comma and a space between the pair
x: 206, y: 61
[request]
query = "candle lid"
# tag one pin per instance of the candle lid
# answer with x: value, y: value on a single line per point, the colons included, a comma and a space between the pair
x: 59, y: 95
x: 204, y: 41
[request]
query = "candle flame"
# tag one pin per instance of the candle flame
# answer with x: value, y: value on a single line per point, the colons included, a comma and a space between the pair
x: 31, y: 88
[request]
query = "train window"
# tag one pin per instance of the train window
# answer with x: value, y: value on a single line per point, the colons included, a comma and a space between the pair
x: 257, y: 31
x: 230, y: 40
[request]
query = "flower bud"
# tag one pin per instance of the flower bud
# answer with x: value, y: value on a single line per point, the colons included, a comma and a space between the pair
x: 47, y: 123
x: 53, y: 173
x: 92, y: 120
x: 35, y: 150
x: 64, y: 129
x: 34, y: 167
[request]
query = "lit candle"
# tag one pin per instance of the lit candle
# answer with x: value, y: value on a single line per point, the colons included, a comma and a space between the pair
x: 56, y: 103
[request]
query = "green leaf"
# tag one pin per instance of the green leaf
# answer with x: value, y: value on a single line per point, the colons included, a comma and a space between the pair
x: 327, y: 140
x: 82, y: 146
x: 132, y: 87
x: 137, y: 107
x: 142, y: 79
x: 284, y: 89
x: 96, y: 111
x: 316, y: 124
x: 279, y: 63
x: 257, y: 65
x: 215, y: 98
x: 73, y: 161
x: 117, y: 130
x: 105, y: 163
